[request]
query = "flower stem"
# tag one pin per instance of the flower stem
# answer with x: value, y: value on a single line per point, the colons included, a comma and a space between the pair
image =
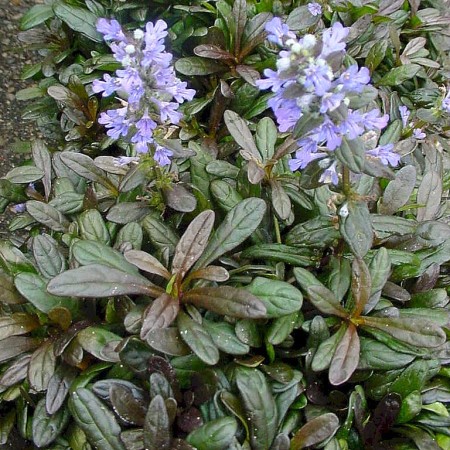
x: 346, y: 181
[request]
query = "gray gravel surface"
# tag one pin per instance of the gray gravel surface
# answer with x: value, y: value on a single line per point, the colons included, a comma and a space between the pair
x: 13, y: 57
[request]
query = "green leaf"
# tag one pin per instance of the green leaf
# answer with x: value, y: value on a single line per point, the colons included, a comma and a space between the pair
x: 9, y: 294
x: 301, y: 19
x: 92, y: 226
x: 318, y: 232
x: 398, y: 191
x: 412, y: 331
x: 58, y: 387
x: 352, y: 154
x: 42, y: 366
x: 24, y: 175
x: 131, y: 233
x: 48, y: 257
x: 17, y: 324
x: 47, y: 215
x: 34, y: 288
x: 346, y: 357
x: 195, y: 66
x: 266, y: 137
x: 237, y: 226
x: 97, y: 421
x: 79, y: 19
x: 160, y: 235
x: 93, y: 252
x: 375, y: 355
x: 356, y: 227
x: 259, y: 405
x: 254, y: 32
x: 35, y: 16
x: 45, y: 427
x: 42, y: 159
x: 398, y: 75
x: 315, y: 431
x: 168, y: 341
x: 320, y: 296
x: 192, y: 243
x: 228, y: 300
x: 376, y: 54
x: 324, y: 354
x: 97, y: 280
x: 157, y: 434
x: 198, y: 339
x: 280, y: 253
x: 280, y: 298
x: 214, y: 435
x: 85, y: 167
x: 411, y: 406
x: 127, y: 212
x: 95, y: 339
x: 429, y: 195
x: 224, y: 336
x: 226, y: 195
x: 281, y: 328
x: 68, y: 202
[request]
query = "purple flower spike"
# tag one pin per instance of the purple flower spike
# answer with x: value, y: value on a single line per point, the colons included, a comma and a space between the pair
x: 385, y: 154
x: 108, y: 86
x: 446, y: 102
x: 404, y: 114
x: 277, y: 30
x: 111, y: 30
x: 162, y: 155
x: 315, y: 9
x: 332, y: 38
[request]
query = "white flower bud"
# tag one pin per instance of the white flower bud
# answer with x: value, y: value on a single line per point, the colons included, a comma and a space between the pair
x: 130, y: 49
x: 138, y: 34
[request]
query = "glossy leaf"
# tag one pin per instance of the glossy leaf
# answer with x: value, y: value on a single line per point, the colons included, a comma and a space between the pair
x: 97, y: 280
x: 315, y: 431
x: 95, y: 339
x: 346, y: 357
x: 224, y: 337
x: 198, y: 339
x: 280, y: 298
x: 42, y: 366
x: 228, y: 300
x: 237, y: 226
x: 58, y: 387
x: 47, y: 255
x: 259, y: 405
x: 193, y: 243
x: 93, y: 252
x: 429, y: 196
x: 214, y: 435
x: 95, y: 420
x: 42, y: 159
x: 46, y: 428
x: 160, y: 314
x: 168, y: 341
x: 361, y: 285
x: 157, y: 434
x: 147, y: 263
x: 47, y: 215
x: 129, y: 407
x: 238, y: 128
x: 398, y: 191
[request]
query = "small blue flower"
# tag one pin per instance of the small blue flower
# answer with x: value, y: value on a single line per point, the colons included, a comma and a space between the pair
x: 116, y: 122
x: 446, y: 102
x: 318, y: 76
x: 352, y: 125
x: 111, y: 30
x: 277, y: 30
x: 353, y: 80
x: 328, y: 132
x: 419, y: 134
x: 332, y: 38
x: 315, y: 9
x: 330, y: 175
x: 385, y: 154
x: 372, y: 120
x: 19, y: 208
x: 162, y: 155
x: 404, y: 114
x: 125, y: 160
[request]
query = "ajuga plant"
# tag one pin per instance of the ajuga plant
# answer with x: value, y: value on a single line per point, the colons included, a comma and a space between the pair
x: 235, y: 235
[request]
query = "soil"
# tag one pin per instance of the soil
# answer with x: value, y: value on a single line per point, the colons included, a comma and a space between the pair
x: 13, y: 58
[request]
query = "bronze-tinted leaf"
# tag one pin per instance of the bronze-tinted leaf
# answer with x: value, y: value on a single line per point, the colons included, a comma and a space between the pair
x: 160, y: 314
x: 361, y: 285
x: 127, y: 405
x: 16, y: 345
x: 17, y: 324
x: 193, y: 242
x: 227, y: 300
x: 315, y: 431
x: 157, y: 433
x: 42, y: 366
x: 211, y: 273
x: 213, y: 52
x: 168, y: 341
x: 346, y: 357
x: 147, y: 263
x: 16, y: 372
x: 58, y: 387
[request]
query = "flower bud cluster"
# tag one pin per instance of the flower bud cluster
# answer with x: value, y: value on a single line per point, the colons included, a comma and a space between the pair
x: 150, y: 92
x: 309, y: 82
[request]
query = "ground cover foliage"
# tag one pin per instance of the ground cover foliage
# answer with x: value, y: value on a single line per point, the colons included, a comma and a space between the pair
x: 234, y: 235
